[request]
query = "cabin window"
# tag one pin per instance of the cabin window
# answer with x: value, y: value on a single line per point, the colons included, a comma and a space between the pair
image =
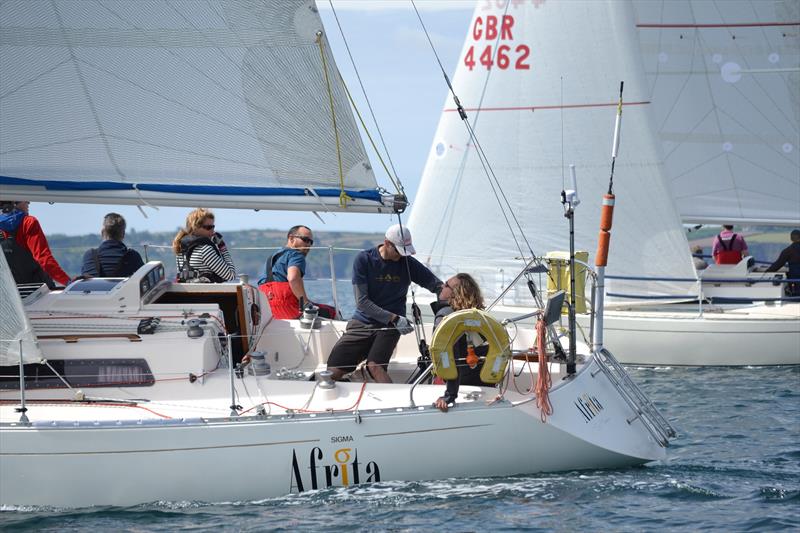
x: 94, y: 285
x: 80, y: 373
x: 151, y: 279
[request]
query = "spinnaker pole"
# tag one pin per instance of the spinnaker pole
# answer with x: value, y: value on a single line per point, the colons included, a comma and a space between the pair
x: 604, y: 240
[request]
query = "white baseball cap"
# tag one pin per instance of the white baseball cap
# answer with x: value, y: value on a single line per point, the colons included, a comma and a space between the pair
x: 400, y: 239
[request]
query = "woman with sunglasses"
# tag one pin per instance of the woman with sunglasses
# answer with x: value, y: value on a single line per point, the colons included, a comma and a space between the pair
x: 200, y: 252
x: 460, y: 292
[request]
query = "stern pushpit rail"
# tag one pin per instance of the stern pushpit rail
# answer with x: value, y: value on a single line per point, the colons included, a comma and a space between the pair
x: 645, y: 410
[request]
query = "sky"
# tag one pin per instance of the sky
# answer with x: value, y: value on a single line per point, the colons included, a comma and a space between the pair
x: 404, y: 86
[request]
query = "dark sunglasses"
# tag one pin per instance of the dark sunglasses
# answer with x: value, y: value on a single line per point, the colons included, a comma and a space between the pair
x: 308, y: 240
x: 208, y: 227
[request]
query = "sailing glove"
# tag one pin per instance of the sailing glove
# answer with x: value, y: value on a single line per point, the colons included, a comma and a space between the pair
x: 403, y: 325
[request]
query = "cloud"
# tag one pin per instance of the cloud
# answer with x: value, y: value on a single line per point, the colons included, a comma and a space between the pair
x: 397, y: 5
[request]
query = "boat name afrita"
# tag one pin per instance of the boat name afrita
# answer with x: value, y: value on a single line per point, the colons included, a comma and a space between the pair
x: 323, y: 472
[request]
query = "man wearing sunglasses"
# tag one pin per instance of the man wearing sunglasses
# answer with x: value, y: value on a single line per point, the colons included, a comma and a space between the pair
x: 283, y: 281
x: 381, y: 277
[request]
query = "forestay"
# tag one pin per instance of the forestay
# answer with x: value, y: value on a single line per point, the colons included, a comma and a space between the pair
x: 15, y: 328
x: 216, y: 103
x: 517, y: 112
x: 724, y: 79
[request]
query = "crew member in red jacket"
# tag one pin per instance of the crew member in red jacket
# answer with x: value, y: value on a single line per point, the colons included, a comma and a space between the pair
x: 729, y: 248
x: 28, y: 233
x: 283, y: 280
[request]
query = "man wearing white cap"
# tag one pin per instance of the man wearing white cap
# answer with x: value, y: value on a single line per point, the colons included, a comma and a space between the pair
x: 381, y: 277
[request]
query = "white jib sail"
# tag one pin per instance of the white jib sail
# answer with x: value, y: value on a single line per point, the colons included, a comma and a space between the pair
x: 516, y: 108
x: 724, y: 80
x: 15, y: 329
x: 157, y: 99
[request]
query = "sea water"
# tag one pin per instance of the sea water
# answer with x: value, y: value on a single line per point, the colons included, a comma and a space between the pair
x: 735, y: 466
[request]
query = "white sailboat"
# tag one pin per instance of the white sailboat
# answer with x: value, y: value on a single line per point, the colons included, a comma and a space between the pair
x: 539, y: 85
x: 724, y: 84
x: 117, y: 391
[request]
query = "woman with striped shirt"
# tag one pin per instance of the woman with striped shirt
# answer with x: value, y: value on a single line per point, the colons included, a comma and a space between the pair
x: 200, y: 252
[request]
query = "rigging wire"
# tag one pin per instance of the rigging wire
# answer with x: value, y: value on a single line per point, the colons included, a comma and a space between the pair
x: 393, y: 175
x: 487, y: 168
x: 419, y: 329
x: 616, y: 139
x: 343, y: 196
x: 449, y: 211
x: 395, y: 181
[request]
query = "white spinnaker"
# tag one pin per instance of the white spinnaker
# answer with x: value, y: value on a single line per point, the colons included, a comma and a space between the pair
x: 724, y: 79
x: 456, y: 221
x: 15, y: 328
x: 218, y: 93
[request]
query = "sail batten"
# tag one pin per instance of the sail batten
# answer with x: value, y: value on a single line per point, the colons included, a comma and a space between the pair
x: 162, y: 94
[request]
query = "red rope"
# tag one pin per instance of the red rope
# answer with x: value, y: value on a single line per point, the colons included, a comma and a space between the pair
x: 352, y: 407
x: 544, y: 381
x: 72, y: 403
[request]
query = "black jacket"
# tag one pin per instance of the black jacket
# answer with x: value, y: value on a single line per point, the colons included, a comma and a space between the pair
x: 111, y: 259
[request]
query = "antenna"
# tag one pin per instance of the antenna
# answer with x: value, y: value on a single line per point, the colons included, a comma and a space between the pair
x: 571, y: 195
x: 561, y: 113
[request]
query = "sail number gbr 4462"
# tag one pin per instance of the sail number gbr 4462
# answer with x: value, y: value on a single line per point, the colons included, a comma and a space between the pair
x: 488, y: 30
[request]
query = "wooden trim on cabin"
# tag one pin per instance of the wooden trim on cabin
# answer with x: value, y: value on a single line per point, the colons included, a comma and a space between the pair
x: 244, y: 325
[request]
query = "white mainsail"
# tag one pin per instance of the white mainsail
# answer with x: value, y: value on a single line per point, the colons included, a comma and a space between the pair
x: 216, y: 103
x: 516, y: 108
x: 724, y: 80
x: 16, y: 331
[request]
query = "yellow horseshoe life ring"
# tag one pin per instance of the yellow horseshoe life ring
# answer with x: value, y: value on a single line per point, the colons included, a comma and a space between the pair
x: 470, y: 320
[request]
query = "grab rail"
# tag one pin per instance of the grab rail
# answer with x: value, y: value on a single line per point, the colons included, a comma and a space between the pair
x: 645, y: 410
x: 417, y: 382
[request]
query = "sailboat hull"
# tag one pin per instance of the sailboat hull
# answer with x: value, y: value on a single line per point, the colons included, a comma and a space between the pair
x: 744, y: 336
x: 112, y: 462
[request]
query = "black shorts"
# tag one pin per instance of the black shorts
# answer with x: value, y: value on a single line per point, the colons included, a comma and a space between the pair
x: 363, y: 341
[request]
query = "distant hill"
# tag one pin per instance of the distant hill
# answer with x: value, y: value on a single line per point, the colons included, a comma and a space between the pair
x: 248, y: 249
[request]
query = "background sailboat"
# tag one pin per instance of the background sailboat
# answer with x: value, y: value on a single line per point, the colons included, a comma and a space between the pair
x: 724, y: 81
x: 530, y: 76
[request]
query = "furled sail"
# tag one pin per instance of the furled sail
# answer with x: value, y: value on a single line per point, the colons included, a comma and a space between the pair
x: 16, y: 331
x: 724, y: 80
x: 517, y: 111
x: 222, y: 103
